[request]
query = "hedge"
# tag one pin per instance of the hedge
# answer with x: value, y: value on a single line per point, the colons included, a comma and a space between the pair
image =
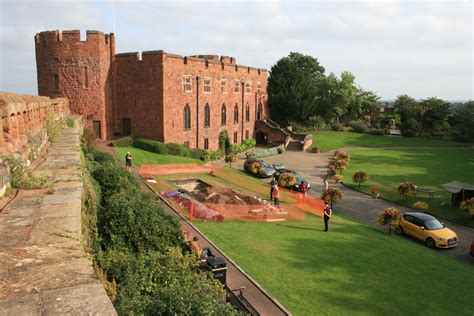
x: 139, y: 248
x: 174, y: 149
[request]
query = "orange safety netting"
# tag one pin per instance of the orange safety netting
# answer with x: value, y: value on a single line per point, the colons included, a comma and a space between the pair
x: 146, y: 170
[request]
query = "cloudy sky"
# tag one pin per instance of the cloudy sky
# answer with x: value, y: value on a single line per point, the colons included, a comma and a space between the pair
x: 419, y: 48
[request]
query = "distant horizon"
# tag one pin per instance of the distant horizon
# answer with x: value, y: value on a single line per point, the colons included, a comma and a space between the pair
x: 421, y: 49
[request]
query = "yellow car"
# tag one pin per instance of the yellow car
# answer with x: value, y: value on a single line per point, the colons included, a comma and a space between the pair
x: 428, y: 229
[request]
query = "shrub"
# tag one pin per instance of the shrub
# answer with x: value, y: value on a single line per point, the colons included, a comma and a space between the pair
x: 209, y: 155
x: 224, y: 142
x: 20, y: 176
x: 151, y: 145
x: 280, y: 149
x: 359, y: 126
x: 420, y: 206
x: 407, y: 189
x: 178, y: 150
x: 377, y: 131
x: 408, y: 133
x: 391, y: 217
x: 360, y: 177
x: 336, y: 127
x: 123, y: 142
x: 69, y: 122
x: 197, y: 153
x: 375, y: 193
x: 88, y: 136
x: 245, y: 145
x: 343, y: 156
x: 331, y: 195
x: 315, y: 150
x: 286, y: 179
x: 317, y: 122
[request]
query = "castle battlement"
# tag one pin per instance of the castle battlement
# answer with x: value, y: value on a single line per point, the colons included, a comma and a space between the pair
x: 72, y: 36
x: 205, y: 60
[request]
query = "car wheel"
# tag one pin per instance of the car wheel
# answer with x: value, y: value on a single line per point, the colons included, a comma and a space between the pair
x: 399, y: 230
x: 430, y: 243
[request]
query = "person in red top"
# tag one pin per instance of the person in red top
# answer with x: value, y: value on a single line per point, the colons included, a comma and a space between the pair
x: 276, y: 195
x: 304, y: 190
x: 327, y: 214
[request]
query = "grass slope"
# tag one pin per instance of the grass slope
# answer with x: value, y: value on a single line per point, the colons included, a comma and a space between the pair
x: 353, y: 269
x: 330, y: 140
x: 423, y: 167
x: 143, y: 157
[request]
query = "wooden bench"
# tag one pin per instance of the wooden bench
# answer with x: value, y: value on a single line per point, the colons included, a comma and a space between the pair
x: 425, y: 190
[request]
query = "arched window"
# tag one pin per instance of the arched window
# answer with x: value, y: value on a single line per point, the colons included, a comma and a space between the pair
x: 259, y: 111
x: 223, y: 114
x: 236, y: 114
x: 247, y: 113
x: 207, y: 115
x: 187, y: 117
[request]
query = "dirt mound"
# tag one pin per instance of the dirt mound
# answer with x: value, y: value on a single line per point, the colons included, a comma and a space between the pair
x: 218, y: 195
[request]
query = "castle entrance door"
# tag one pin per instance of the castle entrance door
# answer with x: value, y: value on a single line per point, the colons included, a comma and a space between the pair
x: 261, y: 138
x: 126, y: 127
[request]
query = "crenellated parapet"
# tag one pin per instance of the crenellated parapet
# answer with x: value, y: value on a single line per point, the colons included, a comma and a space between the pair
x: 24, y: 117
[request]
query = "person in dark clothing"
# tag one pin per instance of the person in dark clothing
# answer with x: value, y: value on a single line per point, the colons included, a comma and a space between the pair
x: 327, y: 214
x: 272, y: 188
x: 128, y: 160
x: 304, y: 191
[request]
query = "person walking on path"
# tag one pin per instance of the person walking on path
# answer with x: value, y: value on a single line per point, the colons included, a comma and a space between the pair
x: 327, y: 214
x: 128, y: 160
x: 325, y: 184
x: 276, y: 196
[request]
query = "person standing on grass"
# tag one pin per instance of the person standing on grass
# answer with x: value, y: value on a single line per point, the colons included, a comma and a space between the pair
x: 128, y: 160
x: 327, y: 214
x: 272, y: 188
x: 304, y: 191
x: 276, y: 195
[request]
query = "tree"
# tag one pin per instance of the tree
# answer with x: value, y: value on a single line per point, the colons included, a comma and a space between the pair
x: 224, y: 142
x: 391, y: 217
x: 360, y: 177
x: 407, y: 107
x: 341, y: 164
x: 434, y: 114
x: 407, y: 189
x: 331, y: 195
x: 230, y: 158
x: 462, y: 122
x: 293, y: 88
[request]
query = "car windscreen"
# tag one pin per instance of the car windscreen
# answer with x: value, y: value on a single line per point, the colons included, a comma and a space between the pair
x: 433, y: 224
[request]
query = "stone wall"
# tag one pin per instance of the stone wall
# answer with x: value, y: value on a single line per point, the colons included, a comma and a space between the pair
x: 23, y: 125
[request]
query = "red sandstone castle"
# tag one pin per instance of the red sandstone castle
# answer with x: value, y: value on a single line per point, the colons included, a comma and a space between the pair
x: 171, y: 98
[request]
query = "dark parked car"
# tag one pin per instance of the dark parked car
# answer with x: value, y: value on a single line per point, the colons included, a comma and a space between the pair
x: 282, y: 169
x: 266, y: 172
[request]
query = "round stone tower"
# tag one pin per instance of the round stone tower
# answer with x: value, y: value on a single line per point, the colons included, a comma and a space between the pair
x: 80, y: 71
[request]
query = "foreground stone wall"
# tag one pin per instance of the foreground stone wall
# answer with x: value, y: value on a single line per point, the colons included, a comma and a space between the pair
x: 23, y: 126
x: 43, y: 267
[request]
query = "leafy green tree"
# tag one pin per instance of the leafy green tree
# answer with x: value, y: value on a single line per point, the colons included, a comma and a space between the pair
x: 462, y: 122
x: 434, y: 114
x: 407, y: 107
x: 293, y: 88
x: 230, y: 158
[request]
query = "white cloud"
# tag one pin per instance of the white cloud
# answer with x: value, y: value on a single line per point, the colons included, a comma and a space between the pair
x: 393, y: 47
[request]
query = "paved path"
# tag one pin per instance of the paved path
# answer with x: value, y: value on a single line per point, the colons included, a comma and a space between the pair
x: 357, y: 205
x: 43, y: 267
x: 236, y: 277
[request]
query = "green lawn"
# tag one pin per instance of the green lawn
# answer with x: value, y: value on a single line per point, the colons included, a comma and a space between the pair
x: 353, y: 269
x: 143, y: 157
x: 330, y: 140
x: 423, y: 167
